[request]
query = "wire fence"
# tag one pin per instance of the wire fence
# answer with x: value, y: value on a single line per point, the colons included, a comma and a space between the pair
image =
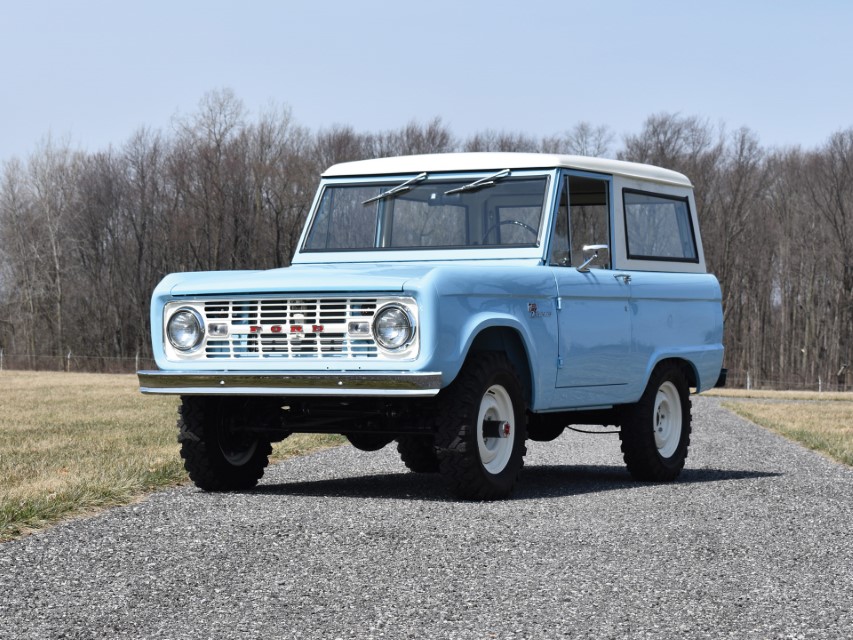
x: 752, y: 380
x: 72, y: 362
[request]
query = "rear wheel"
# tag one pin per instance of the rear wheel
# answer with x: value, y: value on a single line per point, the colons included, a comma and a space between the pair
x: 220, y: 452
x: 481, y: 430
x: 656, y: 430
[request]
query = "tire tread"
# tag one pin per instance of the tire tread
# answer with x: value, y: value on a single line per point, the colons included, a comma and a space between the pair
x: 456, y: 446
x: 203, y: 460
x: 639, y: 450
x: 418, y: 453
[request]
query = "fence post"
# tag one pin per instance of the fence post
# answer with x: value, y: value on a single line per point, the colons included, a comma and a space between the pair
x: 819, y: 385
x: 1, y: 359
x: 68, y: 362
x: 136, y: 362
x: 748, y: 382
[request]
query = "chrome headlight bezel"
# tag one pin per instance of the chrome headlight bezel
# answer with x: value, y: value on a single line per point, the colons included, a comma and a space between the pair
x: 197, y: 320
x: 404, y: 320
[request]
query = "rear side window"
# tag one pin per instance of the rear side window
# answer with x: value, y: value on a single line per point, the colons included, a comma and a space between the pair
x: 658, y: 227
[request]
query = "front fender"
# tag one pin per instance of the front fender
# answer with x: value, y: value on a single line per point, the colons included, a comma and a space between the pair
x: 455, y: 339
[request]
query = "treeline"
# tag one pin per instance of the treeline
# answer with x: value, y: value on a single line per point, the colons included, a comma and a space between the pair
x: 85, y: 237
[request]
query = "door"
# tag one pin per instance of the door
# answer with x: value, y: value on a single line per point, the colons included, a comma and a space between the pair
x: 594, y: 314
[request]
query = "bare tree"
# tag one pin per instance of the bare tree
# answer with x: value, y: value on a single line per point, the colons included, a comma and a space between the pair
x: 339, y: 144
x: 283, y: 181
x: 413, y: 139
x: 53, y: 174
x: 830, y: 191
x: 22, y: 283
x: 490, y: 140
x: 208, y: 169
x: 583, y: 139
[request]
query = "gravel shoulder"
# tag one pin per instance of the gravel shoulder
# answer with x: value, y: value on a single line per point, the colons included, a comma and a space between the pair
x: 754, y: 541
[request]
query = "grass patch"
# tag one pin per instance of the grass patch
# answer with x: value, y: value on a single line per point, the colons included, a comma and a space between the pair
x: 821, y: 424
x: 73, y: 443
x: 839, y: 396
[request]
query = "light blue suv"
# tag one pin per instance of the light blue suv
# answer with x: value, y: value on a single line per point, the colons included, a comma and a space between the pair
x: 458, y: 304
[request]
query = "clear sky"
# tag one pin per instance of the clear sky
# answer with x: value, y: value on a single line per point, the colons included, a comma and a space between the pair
x: 94, y: 72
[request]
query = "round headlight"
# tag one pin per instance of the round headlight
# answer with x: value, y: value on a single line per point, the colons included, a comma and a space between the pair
x: 185, y: 329
x: 392, y: 328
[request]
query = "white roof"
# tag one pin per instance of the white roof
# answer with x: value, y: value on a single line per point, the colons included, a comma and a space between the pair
x: 440, y: 162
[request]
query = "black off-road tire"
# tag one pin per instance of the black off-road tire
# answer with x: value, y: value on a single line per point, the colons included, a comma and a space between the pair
x: 664, y: 406
x: 418, y: 453
x: 459, y: 434
x: 218, y: 453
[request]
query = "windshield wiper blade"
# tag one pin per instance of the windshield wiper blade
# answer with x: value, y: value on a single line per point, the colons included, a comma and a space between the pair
x: 400, y: 188
x: 488, y: 181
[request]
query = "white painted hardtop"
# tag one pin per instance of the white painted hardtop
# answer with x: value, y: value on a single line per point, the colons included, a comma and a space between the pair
x: 480, y: 161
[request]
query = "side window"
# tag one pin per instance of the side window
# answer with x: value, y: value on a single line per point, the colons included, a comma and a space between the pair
x: 658, y: 227
x: 589, y: 215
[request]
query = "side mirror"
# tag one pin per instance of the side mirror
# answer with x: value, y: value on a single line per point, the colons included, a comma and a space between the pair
x: 594, y: 248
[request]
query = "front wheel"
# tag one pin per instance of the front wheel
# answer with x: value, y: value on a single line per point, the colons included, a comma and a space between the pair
x: 220, y: 451
x: 481, y: 431
x: 655, y: 431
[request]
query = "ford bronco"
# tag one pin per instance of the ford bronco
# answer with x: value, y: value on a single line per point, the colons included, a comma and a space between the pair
x: 457, y: 304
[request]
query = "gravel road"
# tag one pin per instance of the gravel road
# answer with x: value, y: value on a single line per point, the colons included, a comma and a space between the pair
x: 754, y: 541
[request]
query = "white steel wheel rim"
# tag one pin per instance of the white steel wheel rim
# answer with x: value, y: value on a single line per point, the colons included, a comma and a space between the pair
x: 495, y: 452
x: 667, y: 419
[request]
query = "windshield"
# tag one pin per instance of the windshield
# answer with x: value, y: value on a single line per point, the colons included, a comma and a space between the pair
x: 352, y: 217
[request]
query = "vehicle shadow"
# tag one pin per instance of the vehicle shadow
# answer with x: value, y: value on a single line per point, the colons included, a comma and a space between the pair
x: 537, y: 482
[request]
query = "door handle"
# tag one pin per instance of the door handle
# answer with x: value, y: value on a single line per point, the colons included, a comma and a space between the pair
x: 624, y: 277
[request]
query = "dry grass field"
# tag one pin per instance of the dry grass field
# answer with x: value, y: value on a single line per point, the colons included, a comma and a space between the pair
x: 759, y: 394
x: 821, y: 421
x: 72, y: 443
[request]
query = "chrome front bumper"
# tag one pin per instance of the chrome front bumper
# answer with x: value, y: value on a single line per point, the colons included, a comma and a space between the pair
x: 275, y: 383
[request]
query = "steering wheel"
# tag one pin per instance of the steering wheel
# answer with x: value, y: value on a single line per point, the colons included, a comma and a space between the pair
x: 519, y: 223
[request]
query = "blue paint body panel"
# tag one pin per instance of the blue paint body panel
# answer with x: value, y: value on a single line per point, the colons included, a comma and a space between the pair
x: 607, y: 335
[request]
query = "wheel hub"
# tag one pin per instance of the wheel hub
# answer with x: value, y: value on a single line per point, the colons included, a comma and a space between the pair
x: 667, y: 419
x: 496, y: 429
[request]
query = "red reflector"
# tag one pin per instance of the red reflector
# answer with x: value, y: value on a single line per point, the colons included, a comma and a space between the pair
x: 317, y: 328
x: 296, y: 328
x: 276, y: 329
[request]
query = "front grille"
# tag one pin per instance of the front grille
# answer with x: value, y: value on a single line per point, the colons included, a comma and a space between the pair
x: 290, y: 328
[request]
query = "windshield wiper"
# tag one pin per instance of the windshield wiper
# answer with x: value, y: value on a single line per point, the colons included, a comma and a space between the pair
x: 488, y: 181
x: 400, y: 188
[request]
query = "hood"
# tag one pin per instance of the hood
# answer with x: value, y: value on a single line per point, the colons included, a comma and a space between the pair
x: 299, y: 279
